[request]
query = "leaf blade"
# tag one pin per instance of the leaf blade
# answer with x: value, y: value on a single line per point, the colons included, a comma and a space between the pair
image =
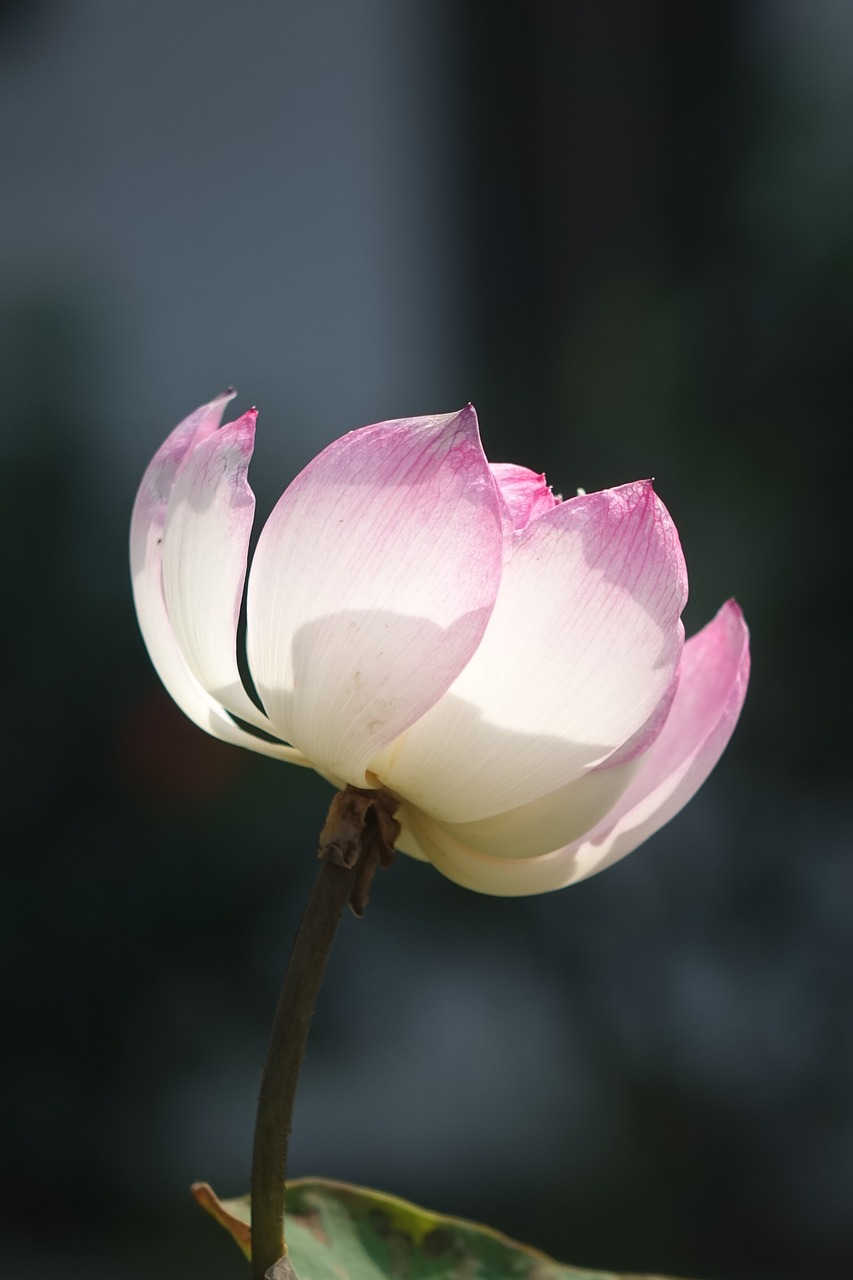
x: 337, y: 1231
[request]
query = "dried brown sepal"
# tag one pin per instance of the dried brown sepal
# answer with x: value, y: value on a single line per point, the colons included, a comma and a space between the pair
x: 360, y: 831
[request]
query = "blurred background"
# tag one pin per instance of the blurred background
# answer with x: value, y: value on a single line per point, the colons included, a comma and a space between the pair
x: 624, y: 229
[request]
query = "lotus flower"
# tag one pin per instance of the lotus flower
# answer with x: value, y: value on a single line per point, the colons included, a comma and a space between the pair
x: 511, y: 667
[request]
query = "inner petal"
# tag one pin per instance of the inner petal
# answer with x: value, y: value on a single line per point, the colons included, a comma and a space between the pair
x: 581, y: 648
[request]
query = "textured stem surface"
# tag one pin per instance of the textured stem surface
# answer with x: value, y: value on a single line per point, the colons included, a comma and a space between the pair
x: 357, y: 839
x: 311, y: 948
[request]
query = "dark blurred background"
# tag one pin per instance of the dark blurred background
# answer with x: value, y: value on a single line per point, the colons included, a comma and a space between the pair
x: 624, y: 229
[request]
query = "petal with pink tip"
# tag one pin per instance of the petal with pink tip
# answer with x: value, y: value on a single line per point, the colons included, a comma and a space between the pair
x: 711, y: 690
x: 146, y: 546
x: 582, y: 645
x: 525, y: 493
x: 205, y: 545
x: 372, y: 584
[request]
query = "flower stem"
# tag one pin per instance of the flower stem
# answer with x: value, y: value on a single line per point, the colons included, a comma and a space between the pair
x: 358, y: 838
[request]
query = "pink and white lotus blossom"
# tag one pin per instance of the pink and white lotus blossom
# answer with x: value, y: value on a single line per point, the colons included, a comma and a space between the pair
x: 510, y: 666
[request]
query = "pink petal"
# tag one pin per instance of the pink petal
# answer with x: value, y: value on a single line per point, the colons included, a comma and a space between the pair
x: 711, y: 690
x: 372, y: 584
x: 581, y: 648
x: 525, y: 494
x: 712, y: 683
x: 146, y: 547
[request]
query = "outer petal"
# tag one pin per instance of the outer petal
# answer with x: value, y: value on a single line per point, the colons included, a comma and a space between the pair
x: 582, y: 646
x: 372, y: 584
x: 711, y: 690
x: 525, y: 493
x: 146, y: 545
x: 205, y: 544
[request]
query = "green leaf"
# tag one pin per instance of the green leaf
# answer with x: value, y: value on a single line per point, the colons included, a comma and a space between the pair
x: 340, y: 1232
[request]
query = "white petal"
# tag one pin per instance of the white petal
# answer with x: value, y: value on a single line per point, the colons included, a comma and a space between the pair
x: 371, y: 586
x: 205, y: 544
x: 581, y: 648
x: 551, y: 821
x: 146, y: 538
x: 711, y: 690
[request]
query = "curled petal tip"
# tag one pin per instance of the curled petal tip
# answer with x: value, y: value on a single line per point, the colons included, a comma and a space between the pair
x: 730, y: 620
x: 241, y: 431
x: 467, y: 417
x: 465, y: 428
x: 224, y: 396
x: 737, y: 627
